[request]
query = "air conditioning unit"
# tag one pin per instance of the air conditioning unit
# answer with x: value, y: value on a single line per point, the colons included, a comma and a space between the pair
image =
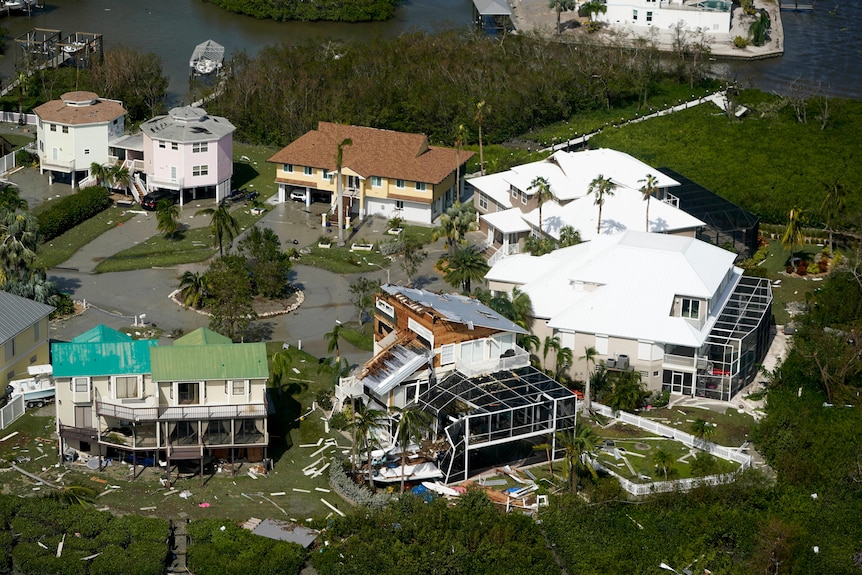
x: 623, y: 362
x: 701, y: 363
x: 611, y: 363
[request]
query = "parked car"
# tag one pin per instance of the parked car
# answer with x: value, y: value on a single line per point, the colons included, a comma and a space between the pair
x: 297, y: 196
x: 151, y: 200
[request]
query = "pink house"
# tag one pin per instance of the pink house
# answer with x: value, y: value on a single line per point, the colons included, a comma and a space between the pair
x: 188, y: 151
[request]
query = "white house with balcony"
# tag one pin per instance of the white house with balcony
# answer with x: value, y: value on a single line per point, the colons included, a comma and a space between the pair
x: 711, y: 16
x: 673, y: 308
x: 190, y: 152
x: 459, y: 361
x: 76, y: 131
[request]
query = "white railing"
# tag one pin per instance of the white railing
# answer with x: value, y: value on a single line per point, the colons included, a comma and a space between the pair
x: 521, y: 358
x: 7, y: 163
x: 12, y: 118
x: 503, y: 251
x: 346, y: 388
x: 666, y: 486
x: 12, y: 411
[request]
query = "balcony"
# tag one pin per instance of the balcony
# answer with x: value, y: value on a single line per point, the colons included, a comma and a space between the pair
x: 679, y: 361
x: 56, y: 165
x: 180, y: 413
x: 521, y: 358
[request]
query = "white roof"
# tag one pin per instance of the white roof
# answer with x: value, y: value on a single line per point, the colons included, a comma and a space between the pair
x: 494, y: 186
x: 624, y: 285
x: 509, y: 221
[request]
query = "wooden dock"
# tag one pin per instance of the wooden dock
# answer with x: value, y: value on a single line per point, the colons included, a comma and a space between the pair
x: 793, y: 6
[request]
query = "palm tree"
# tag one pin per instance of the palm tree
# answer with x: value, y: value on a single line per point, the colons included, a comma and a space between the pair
x: 551, y: 343
x: 281, y: 364
x: 365, y: 422
x: 702, y: 429
x: 590, y: 354
x: 569, y: 236
x: 10, y: 199
x: 460, y: 138
x: 664, y: 462
x: 168, y: 217
x: 455, y: 223
x: 23, y: 84
x: 223, y: 225
x: 100, y: 173
x: 601, y: 187
x: 413, y: 423
x: 74, y: 495
x: 480, y: 118
x: 515, y: 306
x: 793, y: 231
x: 19, y: 236
x: 578, y: 446
x: 339, y: 187
x: 120, y: 177
x: 193, y: 289
x: 649, y: 189
x: 595, y: 7
x: 466, y: 265
x: 332, y: 340
x: 627, y: 392
x: 542, y: 187
x: 563, y: 362
x: 529, y: 342
x: 546, y: 447
x: 561, y: 6
x: 833, y: 207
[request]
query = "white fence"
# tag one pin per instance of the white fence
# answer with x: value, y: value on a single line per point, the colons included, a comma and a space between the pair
x: 7, y: 163
x: 677, y: 435
x: 11, y: 411
x: 12, y: 118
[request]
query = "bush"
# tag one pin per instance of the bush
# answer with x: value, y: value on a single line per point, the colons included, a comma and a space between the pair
x: 26, y: 159
x: 324, y: 399
x: 347, y: 488
x: 740, y: 42
x: 339, y: 421
x: 66, y: 213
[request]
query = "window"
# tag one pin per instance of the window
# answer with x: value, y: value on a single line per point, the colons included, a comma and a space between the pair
x: 649, y: 16
x: 175, y: 146
x: 199, y: 147
x: 37, y: 330
x: 162, y: 144
x: 690, y: 308
x: 238, y: 387
x: 308, y: 171
x: 125, y: 386
x: 635, y: 15
x: 483, y: 201
x: 514, y: 192
x: 287, y: 168
x: 10, y: 349
x: 65, y: 129
x: 326, y: 174
x: 53, y: 127
x: 200, y: 170
x: 399, y: 205
x: 187, y: 392
x: 86, y: 151
x: 420, y: 186
x: 399, y: 184
x: 376, y: 182
x: 173, y: 173
x: 523, y: 198
x: 81, y: 384
x: 447, y: 354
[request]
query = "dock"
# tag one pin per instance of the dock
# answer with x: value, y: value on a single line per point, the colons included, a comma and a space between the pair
x: 793, y: 6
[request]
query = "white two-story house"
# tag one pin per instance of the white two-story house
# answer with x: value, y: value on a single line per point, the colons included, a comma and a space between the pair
x: 75, y: 131
x: 711, y: 16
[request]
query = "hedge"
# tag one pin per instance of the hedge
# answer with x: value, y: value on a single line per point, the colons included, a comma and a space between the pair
x: 66, y: 213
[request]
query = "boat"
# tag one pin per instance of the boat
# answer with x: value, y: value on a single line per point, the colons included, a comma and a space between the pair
x: 205, y: 66
x: 18, y: 4
x: 73, y: 47
x: 38, y: 389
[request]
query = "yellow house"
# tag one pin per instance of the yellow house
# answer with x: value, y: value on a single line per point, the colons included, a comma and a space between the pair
x: 23, y: 336
x: 384, y: 173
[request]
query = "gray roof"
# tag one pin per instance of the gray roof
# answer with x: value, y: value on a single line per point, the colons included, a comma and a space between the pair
x: 208, y: 50
x: 18, y: 313
x: 492, y: 7
x: 457, y: 308
x: 284, y: 531
x: 187, y: 124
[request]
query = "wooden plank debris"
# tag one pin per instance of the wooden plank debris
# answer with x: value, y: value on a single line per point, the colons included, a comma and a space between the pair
x: 331, y: 506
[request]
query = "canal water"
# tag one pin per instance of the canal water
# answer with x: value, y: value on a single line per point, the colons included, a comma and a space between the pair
x: 822, y: 47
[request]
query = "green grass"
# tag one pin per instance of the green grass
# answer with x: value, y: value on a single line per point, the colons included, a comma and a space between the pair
x: 361, y: 338
x: 256, y: 174
x: 193, y: 246
x: 342, y: 260
x: 639, y: 454
x: 731, y: 429
x: 19, y: 140
x: 61, y: 248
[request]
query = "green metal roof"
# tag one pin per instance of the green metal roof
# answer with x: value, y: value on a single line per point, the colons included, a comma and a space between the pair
x: 212, y: 361
x: 90, y: 359
x: 101, y: 334
x: 203, y: 336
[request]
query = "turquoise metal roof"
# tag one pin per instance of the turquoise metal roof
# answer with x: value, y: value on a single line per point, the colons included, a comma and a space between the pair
x: 102, y: 358
x: 209, y: 362
x: 101, y: 333
x: 202, y: 336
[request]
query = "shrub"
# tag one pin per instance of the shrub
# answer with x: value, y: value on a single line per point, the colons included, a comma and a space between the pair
x: 339, y: 421
x: 324, y: 399
x: 66, y: 213
x: 740, y: 42
x: 25, y: 158
x: 346, y: 487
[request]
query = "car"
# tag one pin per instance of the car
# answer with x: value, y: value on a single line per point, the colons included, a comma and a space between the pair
x: 151, y: 200
x: 297, y: 196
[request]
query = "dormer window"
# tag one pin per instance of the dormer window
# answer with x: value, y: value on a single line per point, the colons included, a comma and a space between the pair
x: 690, y: 308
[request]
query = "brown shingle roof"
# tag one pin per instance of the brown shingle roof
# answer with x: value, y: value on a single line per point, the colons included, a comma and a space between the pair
x: 95, y: 112
x: 374, y: 152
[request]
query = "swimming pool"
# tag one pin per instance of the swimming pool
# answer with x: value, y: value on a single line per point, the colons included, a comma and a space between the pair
x: 715, y: 5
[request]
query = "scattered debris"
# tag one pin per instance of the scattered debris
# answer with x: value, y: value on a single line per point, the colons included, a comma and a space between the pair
x: 331, y: 506
x: 153, y: 508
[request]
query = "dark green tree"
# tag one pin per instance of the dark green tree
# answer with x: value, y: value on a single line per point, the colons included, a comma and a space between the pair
x: 168, y: 218
x: 466, y: 265
x: 231, y: 297
x: 362, y: 293
x: 223, y: 225
x: 268, y: 266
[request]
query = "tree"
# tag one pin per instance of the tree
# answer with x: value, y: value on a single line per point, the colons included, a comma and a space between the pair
x: 412, y: 425
x: 648, y: 190
x: 193, y: 289
x: 561, y: 6
x: 223, y: 225
x: 461, y: 134
x: 664, y: 461
x: 563, y: 361
x: 594, y: 7
x: 793, y: 231
x: 703, y: 464
x: 230, y: 297
x: 480, y: 119
x: 100, y: 173
x: 515, y: 306
x: 627, y: 392
x: 268, y: 266
x: 834, y: 204
x: 542, y: 186
x: 466, y: 266
x: 168, y: 217
x: 551, y: 343
x: 19, y: 237
x: 361, y: 293
x: 410, y: 253
x: 10, y: 199
x: 365, y: 421
x: 601, y: 187
x: 546, y: 447
x: 590, y: 354
x: 455, y: 223
x: 281, y: 364
x: 578, y: 446
x: 332, y: 340
x: 569, y: 236
x: 135, y: 78
x: 339, y: 187
x: 702, y: 428
x: 120, y: 177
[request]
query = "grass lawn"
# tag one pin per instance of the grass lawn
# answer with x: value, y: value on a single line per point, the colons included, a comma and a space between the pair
x: 61, y: 248
x: 192, y: 246
x: 792, y: 288
x: 640, y: 452
x: 235, y: 498
x: 359, y: 337
x: 731, y: 427
x: 20, y: 139
x: 342, y: 260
